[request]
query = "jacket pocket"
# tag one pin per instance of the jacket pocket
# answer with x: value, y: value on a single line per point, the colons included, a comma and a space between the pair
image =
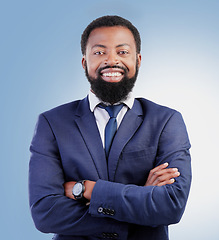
x: 134, y: 165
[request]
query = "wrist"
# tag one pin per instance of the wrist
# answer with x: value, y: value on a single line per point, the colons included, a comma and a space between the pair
x: 89, y: 185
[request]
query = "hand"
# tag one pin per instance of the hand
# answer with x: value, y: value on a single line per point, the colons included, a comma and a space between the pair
x: 89, y: 185
x: 162, y: 175
x: 68, y: 186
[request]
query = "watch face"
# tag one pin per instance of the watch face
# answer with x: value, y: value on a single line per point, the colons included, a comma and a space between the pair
x: 77, y: 189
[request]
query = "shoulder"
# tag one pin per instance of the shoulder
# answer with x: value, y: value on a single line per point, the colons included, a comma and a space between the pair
x: 159, y: 114
x: 65, y: 109
x: 149, y: 107
x: 160, y: 117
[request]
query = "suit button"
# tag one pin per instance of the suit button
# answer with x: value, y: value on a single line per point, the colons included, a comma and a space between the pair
x: 104, y: 235
x: 104, y: 211
x: 100, y: 210
x: 112, y: 212
x: 115, y: 235
x: 110, y: 235
x: 107, y: 211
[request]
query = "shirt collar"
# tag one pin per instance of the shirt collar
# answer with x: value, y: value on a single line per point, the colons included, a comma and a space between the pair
x: 94, y: 100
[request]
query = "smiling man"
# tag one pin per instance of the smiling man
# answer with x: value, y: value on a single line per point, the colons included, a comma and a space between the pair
x: 111, y: 62
x: 109, y: 166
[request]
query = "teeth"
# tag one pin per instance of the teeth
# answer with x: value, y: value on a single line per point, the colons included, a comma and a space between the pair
x: 112, y: 74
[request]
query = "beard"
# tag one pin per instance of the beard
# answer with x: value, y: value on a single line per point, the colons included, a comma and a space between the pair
x: 112, y: 92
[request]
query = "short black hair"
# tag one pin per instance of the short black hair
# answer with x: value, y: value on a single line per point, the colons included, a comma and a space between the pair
x: 110, y: 21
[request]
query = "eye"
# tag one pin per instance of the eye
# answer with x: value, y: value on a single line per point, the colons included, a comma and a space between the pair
x: 123, y: 52
x: 98, y: 52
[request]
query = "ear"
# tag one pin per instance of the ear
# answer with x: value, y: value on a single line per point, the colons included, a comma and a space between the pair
x: 139, y: 59
x: 83, y: 61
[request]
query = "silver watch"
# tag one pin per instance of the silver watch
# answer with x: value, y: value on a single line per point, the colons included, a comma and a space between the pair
x: 78, y: 190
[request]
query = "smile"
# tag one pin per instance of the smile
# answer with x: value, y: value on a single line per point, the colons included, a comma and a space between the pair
x: 112, y: 74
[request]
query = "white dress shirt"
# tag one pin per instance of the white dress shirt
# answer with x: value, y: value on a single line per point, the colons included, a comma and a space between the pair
x: 102, y: 116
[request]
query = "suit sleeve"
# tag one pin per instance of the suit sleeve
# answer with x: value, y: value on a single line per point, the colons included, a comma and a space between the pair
x: 151, y: 205
x: 53, y: 212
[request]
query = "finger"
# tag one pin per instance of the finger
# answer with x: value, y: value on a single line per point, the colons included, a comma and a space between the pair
x: 160, y: 167
x: 157, y: 169
x: 171, y: 181
x: 165, y: 177
x: 164, y: 174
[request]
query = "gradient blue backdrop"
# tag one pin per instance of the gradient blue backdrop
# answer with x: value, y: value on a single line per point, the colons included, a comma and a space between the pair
x: 40, y: 68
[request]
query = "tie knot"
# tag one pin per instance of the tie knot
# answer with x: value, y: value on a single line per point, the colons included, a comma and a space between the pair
x: 113, y: 110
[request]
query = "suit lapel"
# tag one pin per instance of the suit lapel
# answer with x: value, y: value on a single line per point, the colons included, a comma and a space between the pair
x: 87, y: 125
x: 129, y: 125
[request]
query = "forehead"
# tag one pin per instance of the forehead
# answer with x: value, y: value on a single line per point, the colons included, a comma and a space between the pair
x: 111, y: 36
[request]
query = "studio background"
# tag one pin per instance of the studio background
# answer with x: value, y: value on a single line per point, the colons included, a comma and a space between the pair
x: 40, y: 68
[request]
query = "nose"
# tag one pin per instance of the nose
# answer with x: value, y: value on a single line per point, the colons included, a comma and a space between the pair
x: 111, y: 59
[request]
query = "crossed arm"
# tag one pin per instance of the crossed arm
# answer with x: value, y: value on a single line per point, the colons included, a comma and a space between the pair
x: 158, y: 176
x: 47, y: 200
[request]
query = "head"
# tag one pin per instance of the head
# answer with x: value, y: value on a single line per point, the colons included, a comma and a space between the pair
x: 111, y: 57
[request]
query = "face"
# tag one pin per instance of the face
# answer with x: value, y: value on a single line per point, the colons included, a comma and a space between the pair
x: 111, y: 46
x: 111, y: 58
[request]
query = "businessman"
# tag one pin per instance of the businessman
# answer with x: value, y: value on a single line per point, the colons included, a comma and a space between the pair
x: 109, y: 166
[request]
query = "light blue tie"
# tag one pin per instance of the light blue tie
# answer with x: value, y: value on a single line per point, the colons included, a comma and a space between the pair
x: 111, y: 126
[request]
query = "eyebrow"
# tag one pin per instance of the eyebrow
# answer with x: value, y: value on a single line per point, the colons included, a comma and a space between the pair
x: 99, y: 45
x: 122, y: 45
x: 103, y: 46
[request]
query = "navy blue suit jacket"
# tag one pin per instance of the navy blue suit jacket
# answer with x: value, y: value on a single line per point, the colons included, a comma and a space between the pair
x: 67, y: 147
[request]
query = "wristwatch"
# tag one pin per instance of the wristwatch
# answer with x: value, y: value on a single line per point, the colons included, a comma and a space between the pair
x: 78, y: 191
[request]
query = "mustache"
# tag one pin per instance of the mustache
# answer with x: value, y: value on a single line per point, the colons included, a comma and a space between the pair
x: 114, y: 66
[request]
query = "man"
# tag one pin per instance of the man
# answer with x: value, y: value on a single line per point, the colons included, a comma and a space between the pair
x: 88, y: 181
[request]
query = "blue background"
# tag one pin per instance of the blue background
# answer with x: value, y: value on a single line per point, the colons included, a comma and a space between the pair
x: 40, y: 68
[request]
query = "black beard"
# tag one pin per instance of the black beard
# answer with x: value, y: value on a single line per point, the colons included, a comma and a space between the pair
x: 112, y: 92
